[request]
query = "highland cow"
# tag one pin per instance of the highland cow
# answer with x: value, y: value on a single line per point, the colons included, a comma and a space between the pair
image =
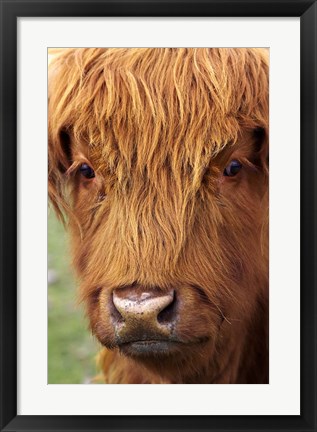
x: 158, y: 163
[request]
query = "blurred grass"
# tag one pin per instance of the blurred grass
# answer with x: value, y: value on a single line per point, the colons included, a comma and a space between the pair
x: 71, y: 347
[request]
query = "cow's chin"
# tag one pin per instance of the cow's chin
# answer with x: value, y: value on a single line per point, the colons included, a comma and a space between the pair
x: 174, y: 361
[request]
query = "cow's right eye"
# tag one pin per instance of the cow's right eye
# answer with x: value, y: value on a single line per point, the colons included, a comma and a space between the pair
x: 232, y: 169
x: 87, y: 171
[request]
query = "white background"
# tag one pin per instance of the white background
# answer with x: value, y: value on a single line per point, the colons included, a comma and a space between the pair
x: 282, y: 395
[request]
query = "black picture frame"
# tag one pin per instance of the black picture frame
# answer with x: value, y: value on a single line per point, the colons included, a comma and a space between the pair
x: 10, y: 11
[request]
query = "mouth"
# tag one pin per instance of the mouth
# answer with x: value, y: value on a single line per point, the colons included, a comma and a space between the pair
x: 153, y: 347
x: 149, y: 347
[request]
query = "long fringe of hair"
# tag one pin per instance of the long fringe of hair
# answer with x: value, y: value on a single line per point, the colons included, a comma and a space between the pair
x: 191, y: 101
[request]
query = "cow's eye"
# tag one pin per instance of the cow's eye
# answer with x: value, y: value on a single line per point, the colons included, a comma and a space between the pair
x: 87, y: 171
x: 232, y: 169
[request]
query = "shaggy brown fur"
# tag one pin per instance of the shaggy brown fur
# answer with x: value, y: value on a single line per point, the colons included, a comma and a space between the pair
x: 159, y: 127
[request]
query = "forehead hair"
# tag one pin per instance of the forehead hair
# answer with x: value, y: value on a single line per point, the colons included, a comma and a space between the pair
x: 150, y: 121
x: 190, y: 101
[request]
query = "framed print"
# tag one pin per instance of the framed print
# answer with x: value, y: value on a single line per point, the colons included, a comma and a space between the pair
x: 196, y: 267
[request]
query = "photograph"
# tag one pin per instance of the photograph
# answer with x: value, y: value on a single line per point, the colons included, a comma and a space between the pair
x: 158, y: 215
x: 158, y: 219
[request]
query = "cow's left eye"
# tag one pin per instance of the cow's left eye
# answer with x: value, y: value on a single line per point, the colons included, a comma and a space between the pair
x: 232, y: 169
x: 87, y: 171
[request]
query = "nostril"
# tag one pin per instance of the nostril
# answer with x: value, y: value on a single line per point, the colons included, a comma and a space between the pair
x: 168, y: 314
x: 116, y: 316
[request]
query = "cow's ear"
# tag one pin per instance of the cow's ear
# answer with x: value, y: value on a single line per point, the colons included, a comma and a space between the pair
x: 65, y: 152
x: 59, y: 133
x: 261, y: 141
x: 59, y: 161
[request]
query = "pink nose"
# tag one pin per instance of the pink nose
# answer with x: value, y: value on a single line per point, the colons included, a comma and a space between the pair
x: 142, y: 311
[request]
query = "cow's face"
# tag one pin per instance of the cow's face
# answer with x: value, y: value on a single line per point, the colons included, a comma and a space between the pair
x: 168, y: 206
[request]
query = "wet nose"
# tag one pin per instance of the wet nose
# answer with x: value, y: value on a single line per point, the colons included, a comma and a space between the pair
x: 141, y: 312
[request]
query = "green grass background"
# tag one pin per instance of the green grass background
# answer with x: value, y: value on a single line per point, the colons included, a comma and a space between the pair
x: 71, y: 347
